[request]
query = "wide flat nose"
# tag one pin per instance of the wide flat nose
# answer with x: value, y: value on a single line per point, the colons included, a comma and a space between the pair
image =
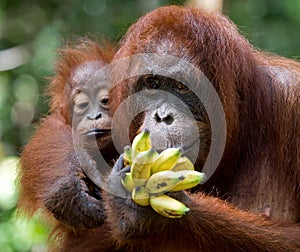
x: 165, y: 117
x: 94, y: 117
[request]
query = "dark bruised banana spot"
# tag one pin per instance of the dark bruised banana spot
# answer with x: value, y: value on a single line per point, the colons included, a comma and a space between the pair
x: 161, y: 185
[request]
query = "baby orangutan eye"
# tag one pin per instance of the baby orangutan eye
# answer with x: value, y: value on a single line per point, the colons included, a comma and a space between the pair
x: 105, y: 102
x: 81, y: 103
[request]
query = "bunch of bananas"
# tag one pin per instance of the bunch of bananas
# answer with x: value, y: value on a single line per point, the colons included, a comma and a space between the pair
x: 152, y: 175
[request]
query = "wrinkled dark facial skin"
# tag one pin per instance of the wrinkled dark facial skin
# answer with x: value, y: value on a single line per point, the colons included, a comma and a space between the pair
x: 90, y: 102
x: 92, y: 129
x: 175, y: 110
x: 170, y: 126
x: 91, y: 114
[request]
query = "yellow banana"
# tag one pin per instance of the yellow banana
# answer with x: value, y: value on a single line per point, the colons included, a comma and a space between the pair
x: 183, y: 164
x: 127, y: 181
x: 166, y: 160
x: 191, y: 179
x: 127, y: 156
x: 140, y: 196
x: 141, y: 167
x: 168, y: 207
x: 162, y: 182
x: 141, y: 143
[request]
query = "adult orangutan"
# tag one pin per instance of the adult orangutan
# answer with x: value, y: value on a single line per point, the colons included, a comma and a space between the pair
x: 260, y: 168
x: 252, y: 201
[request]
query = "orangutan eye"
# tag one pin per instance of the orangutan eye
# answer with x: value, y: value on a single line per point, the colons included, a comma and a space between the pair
x: 104, y: 102
x: 81, y: 103
x: 152, y: 83
x: 181, y: 87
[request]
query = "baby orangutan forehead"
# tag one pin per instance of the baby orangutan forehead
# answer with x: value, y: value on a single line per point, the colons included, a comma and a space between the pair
x: 85, y: 71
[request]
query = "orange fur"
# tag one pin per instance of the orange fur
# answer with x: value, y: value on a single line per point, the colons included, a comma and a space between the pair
x: 260, y: 168
x: 50, y: 174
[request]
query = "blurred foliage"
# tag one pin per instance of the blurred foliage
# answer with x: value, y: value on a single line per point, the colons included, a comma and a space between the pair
x: 17, y: 234
x: 30, y: 33
x: 272, y: 25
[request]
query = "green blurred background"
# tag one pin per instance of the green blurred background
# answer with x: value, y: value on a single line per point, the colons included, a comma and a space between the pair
x: 31, y: 32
